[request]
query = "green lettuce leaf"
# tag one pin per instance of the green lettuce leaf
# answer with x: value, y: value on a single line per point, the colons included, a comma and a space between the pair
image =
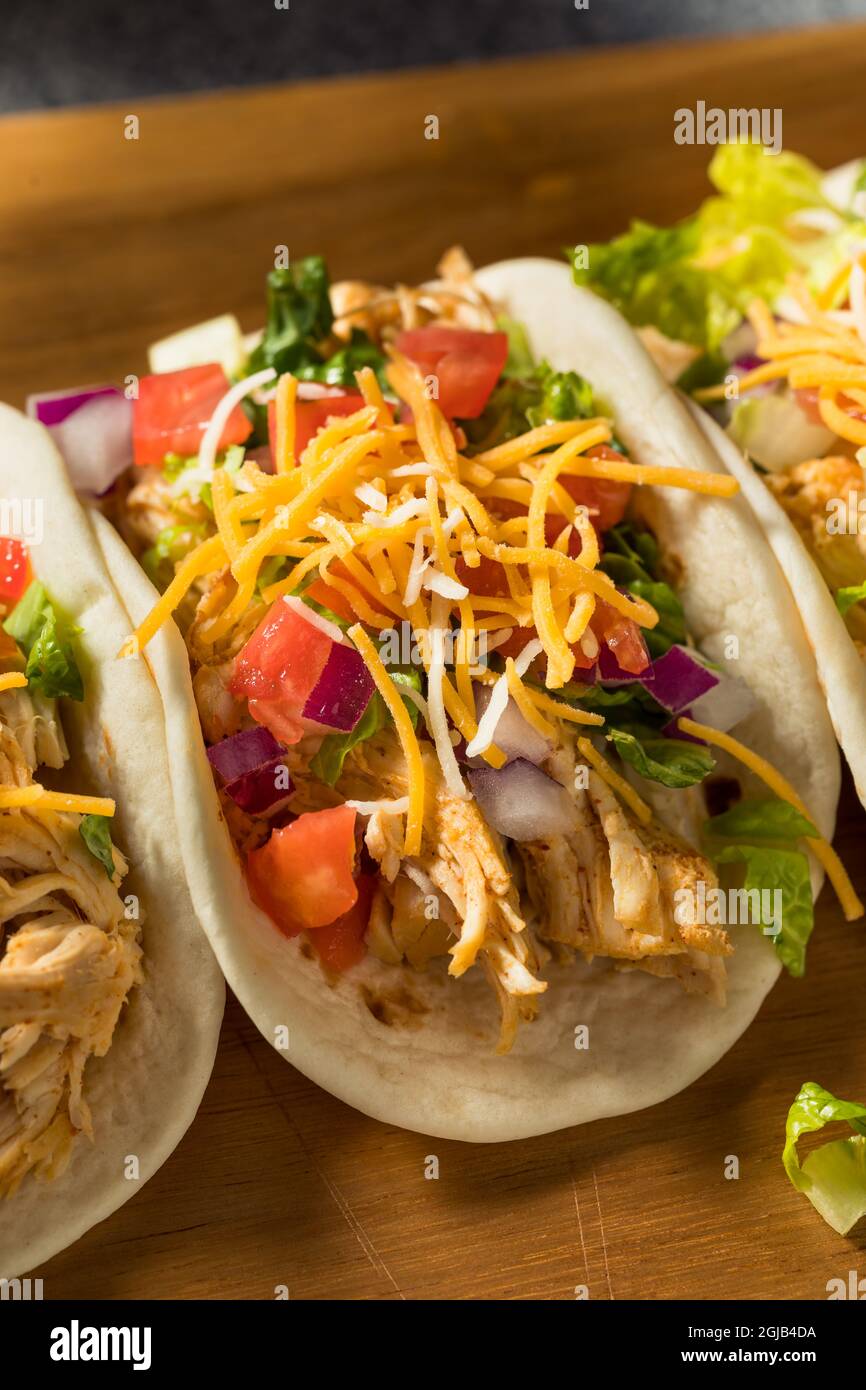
x: 762, y: 819
x: 95, y: 831
x: 672, y: 762
x: 51, y: 664
x: 694, y: 281
x: 851, y: 594
x: 834, y: 1176
x: 299, y: 317
x: 340, y: 368
x: 520, y: 362
x: 327, y: 764
x: 171, y: 545
x: 786, y: 870
x: 631, y: 559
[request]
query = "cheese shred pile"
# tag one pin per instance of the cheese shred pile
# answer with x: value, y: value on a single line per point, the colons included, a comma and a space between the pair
x: 816, y: 348
x: 396, y: 520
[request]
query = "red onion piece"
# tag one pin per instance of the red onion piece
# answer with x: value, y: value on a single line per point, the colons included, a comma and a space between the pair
x: 263, y: 789
x: 244, y: 752
x: 342, y: 692
x: 92, y: 428
x: 52, y: 407
x: 521, y: 801
x: 609, y: 671
x: 679, y: 678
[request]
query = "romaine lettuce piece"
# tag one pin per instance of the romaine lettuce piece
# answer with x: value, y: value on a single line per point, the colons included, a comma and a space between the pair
x: 834, y: 1176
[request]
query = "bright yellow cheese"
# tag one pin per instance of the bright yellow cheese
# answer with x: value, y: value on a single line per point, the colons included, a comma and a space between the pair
x: 851, y: 904
x: 406, y: 734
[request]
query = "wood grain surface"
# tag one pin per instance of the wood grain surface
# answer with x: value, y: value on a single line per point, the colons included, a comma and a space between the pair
x: 106, y: 244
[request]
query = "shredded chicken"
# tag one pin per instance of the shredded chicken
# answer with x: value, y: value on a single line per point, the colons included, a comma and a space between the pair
x: 811, y: 493
x: 68, y: 959
x: 618, y: 888
x: 458, y: 895
x: 613, y: 887
x: 381, y: 312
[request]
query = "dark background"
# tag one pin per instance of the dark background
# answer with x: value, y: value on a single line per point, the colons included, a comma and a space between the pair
x: 61, y: 52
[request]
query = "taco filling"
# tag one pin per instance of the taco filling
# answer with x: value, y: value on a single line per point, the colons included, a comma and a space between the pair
x: 69, y: 955
x: 444, y: 678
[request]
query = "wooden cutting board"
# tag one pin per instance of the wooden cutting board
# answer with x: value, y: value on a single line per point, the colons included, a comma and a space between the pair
x: 108, y: 243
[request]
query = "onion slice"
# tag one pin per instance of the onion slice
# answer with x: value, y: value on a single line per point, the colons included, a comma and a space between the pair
x: 522, y: 802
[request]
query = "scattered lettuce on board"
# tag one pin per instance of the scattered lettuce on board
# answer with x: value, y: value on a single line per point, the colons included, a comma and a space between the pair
x: 834, y: 1176
x: 694, y: 281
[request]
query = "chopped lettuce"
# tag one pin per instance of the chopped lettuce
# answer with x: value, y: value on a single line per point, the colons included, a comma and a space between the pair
x: 171, y: 545
x: 834, y: 1176
x: 762, y: 834
x: 672, y: 762
x: 46, y: 640
x: 340, y: 368
x: 95, y: 831
x: 528, y: 395
x: 851, y: 594
x: 631, y: 559
x: 520, y: 362
x: 327, y: 764
x: 694, y: 281
x: 787, y: 871
x: 299, y: 317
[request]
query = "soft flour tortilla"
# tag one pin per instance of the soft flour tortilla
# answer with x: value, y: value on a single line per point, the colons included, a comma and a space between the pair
x: 429, y: 1065
x: 145, y: 1092
x: 841, y: 670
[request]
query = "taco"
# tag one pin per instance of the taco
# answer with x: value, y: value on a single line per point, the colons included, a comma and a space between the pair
x: 757, y: 305
x: 468, y: 615
x: 110, y: 998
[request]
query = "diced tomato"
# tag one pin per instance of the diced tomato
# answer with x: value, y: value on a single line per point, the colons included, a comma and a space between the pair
x: 488, y: 578
x: 302, y: 877
x: 341, y: 944
x: 466, y: 364
x: 622, y: 636
x: 278, y: 668
x: 310, y: 416
x: 606, y: 500
x: 15, y: 572
x: 807, y: 400
x: 173, y: 411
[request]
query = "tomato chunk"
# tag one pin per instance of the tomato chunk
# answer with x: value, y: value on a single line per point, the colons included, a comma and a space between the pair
x: 278, y: 669
x: 341, y: 944
x: 14, y: 569
x: 622, y: 636
x: 302, y: 878
x: 466, y: 364
x: 606, y: 499
x: 310, y: 416
x: 173, y: 411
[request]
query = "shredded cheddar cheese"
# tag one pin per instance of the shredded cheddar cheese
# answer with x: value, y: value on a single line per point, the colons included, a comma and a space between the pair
x: 12, y: 680
x: 406, y: 734
x: 624, y: 790
x: 40, y: 798
x: 851, y: 904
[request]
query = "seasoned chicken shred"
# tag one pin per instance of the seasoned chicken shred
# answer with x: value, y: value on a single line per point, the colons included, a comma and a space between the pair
x: 609, y: 888
x: 68, y: 959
